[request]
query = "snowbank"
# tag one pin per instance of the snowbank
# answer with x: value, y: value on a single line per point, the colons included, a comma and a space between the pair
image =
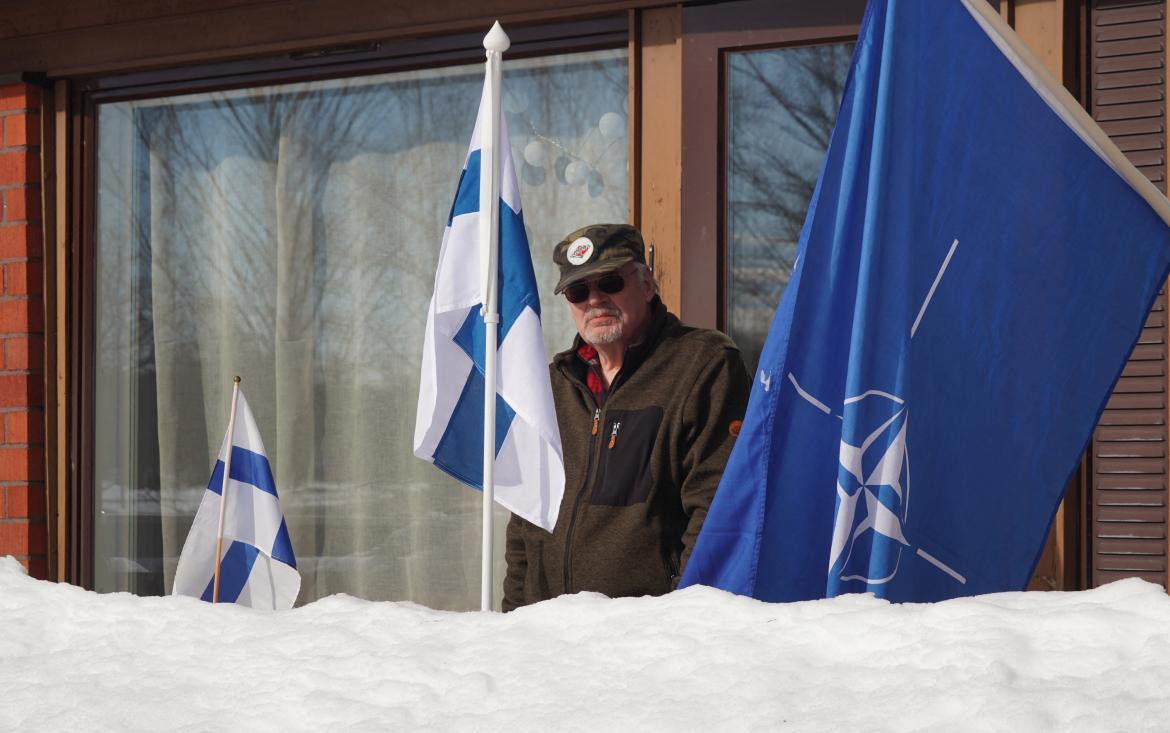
x: 698, y: 659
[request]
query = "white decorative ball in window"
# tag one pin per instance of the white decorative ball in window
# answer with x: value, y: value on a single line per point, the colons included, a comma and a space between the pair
x: 612, y: 125
x: 576, y: 173
x: 534, y: 153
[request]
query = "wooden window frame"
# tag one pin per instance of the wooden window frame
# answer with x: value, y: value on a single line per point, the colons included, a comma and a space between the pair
x: 710, y: 32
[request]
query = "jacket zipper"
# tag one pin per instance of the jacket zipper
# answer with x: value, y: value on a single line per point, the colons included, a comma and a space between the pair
x: 567, y: 580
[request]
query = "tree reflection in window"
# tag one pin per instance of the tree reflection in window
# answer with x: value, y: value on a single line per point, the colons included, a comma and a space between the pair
x: 781, y: 107
x: 290, y: 234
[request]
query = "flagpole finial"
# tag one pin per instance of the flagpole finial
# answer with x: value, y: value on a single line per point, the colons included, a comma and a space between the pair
x: 237, y: 379
x: 496, y: 39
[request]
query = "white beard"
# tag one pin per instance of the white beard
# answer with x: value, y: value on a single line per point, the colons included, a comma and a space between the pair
x: 603, y: 335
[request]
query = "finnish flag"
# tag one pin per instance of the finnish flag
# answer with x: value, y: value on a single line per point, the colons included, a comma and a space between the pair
x: 529, y: 474
x: 257, y: 567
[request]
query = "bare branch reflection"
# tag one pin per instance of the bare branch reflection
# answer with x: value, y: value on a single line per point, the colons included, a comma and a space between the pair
x: 782, y: 104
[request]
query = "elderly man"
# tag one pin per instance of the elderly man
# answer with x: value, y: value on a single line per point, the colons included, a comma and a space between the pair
x: 648, y: 410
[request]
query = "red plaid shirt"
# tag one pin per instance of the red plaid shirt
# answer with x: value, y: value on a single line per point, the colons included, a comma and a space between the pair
x: 593, y: 378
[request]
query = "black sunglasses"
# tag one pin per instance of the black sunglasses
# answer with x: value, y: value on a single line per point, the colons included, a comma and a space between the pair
x: 609, y: 284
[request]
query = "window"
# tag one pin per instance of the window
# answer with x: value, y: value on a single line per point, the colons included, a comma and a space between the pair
x: 781, y: 105
x: 761, y: 86
x: 289, y: 234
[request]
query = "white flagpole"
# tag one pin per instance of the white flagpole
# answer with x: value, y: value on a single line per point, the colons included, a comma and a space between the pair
x: 495, y: 44
x: 227, y: 471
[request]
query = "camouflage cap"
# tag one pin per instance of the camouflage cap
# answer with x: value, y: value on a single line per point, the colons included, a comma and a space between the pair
x: 595, y: 250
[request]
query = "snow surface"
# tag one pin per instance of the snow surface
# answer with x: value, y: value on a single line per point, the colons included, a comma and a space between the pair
x: 698, y: 659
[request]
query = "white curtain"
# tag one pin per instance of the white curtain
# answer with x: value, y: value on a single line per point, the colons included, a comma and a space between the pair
x: 289, y: 235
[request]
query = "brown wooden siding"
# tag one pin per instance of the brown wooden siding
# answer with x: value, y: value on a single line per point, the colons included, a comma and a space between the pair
x: 73, y: 38
x: 1128, y: 461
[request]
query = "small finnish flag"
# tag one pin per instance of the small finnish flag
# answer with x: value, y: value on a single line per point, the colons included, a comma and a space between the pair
x: 529, y: 474
x: 257, y: 566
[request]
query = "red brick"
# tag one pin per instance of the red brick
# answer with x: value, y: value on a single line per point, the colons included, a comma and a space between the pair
x: 20, y: 240
x: 24, y: 353
x: 15, y: 504
x: 20, y: 130
x: 22, y: 464
x: 22, y: 203
x: 14, y: 538
x: 18, y: 166
x: 23, y: 278
x: 21, y: 537
x: 23, y: 427
x: 14, y: 390
x: 19, y: 96
x: 26, y: 502
x: 20, y: 316
x: 20, y: 425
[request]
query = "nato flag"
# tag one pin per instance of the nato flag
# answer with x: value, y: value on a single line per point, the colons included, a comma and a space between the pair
x: 975, y: 267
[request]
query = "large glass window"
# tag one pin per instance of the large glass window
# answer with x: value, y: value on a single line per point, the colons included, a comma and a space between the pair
x: 289, y: 234
x: 781, y: 107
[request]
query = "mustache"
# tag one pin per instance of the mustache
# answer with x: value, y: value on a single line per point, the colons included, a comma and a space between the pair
x: 602, y: 311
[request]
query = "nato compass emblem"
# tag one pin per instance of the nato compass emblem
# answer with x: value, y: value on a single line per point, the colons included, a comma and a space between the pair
x: 873, y: 480
x: 873, y: 490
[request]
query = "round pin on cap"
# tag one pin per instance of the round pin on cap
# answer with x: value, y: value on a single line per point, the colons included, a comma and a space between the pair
x: 579, y: 251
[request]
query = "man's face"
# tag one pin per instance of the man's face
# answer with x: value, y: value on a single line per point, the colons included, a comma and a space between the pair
x: 605, y: 319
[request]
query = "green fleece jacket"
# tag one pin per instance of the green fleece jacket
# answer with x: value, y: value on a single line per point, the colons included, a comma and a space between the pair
x: 637, y: 487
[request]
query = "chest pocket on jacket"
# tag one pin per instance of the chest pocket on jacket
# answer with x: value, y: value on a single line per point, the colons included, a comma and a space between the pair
x: 623, y: 476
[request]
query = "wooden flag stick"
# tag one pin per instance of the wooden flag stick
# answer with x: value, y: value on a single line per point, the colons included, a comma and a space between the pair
x: 227, y: 471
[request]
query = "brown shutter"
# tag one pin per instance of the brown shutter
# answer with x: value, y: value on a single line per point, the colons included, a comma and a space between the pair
x: 1128, y: 462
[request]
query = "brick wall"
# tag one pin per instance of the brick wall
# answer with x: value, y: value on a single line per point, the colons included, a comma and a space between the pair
x: 22, y: 432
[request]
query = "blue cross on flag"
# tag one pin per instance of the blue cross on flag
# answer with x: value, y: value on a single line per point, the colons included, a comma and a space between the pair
x: 529, y: 474
x: 257, y: 565
x: 976, y: 265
